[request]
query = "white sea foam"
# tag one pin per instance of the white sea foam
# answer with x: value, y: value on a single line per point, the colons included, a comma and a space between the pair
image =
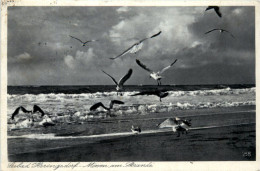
x: 52, y: 136
x: 76, y: 107
x: 42, y: 97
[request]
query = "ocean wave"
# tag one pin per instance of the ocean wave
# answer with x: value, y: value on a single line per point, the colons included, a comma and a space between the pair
x: 226, y: 91
x: 142, y: 109
x: 60, y: 96
x: 186, y: 106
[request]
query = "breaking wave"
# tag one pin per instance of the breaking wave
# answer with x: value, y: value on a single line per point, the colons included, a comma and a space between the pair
x: 60, y: 96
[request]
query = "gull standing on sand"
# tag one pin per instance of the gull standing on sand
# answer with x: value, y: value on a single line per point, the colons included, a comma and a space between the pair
x: 119, y: 85
x: 216, y: 8
x: 155, y: 75
x: 158, y: 93
x: 100, y: 104
x: 221, y: 31
x: 137, y: 46
x: 178, y: 125
x: 83, y: 43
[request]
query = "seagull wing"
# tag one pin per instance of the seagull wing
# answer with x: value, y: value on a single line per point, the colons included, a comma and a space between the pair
x: 38, y: 109
x: 110, y: 77
x: 229, y: 33
x: 125, y: 52
x: 126, y: 77
x: 211, y: 31
x: 142, y: 40
x: 97, y: 105
x: 90, y: 41
x: 157, y: 34
x: 143, y: 66
x: 15, y: 113
x: 115, y: 102
x: 209, y: 7
x: 76, y: 39
x: 24, y: 110
x: 164, y: 95
x: 166, y: 68
x: 168, y: 123
x: 216, y: 8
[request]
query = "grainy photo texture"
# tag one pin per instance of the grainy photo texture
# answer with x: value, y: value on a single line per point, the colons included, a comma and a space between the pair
x: 131, y: 83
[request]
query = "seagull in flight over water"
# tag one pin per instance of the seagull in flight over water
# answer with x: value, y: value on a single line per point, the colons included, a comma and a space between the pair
x: 221, y: 31
x: 158, y: 93
x: 83, y: 43
x: 155, y: 75
x: 35, y: 109
x: 216, y: 8
x: 119, y: 85
x: 100, y: 104
x: 137, y: 46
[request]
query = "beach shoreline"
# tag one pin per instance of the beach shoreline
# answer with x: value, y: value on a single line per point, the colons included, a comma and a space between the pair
x: 223, y: 143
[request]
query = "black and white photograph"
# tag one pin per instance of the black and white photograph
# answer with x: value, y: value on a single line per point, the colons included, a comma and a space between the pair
x: 131, y: 83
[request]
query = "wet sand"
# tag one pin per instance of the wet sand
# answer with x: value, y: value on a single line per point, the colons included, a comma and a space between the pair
x: 223, y: 143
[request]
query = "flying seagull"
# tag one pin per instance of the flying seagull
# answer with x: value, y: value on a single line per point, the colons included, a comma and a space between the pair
x: 221, y: 31
x: 83, y: 43
x: 137, y: 46
x: 35, y: 109
x: 216, y: 8
x: 136, y: 130
x: 119, y: 85
x: 100, y: 104
x: 158, y: 93
x: 155, y: 75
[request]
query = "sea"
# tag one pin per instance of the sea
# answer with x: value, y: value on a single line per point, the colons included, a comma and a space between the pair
x: 71, y: 104
x: 71, y: 99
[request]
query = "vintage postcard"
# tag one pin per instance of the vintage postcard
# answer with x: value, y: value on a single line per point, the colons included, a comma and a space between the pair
x: 112, y: 85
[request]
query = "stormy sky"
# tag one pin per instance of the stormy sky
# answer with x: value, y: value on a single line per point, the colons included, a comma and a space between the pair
x: 41, y: 52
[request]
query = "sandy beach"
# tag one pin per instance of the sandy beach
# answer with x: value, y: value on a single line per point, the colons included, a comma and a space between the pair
x: 218, y: 134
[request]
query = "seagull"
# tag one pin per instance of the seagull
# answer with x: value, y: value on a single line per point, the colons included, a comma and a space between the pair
x: 178, y: 125
x: 168, y: 123
x: 35, y: 109
x: 83, y: 43
x: 216, y: 8
x: 100, y: 104
x: 155, y: 75
x: 119, y: 85
x: 158, y: 93
x: 136, y: 130
x: 137, y: 46
x: 221, y: 31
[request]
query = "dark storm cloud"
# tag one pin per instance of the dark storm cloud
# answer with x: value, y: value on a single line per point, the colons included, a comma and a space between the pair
x: 40, y: 50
